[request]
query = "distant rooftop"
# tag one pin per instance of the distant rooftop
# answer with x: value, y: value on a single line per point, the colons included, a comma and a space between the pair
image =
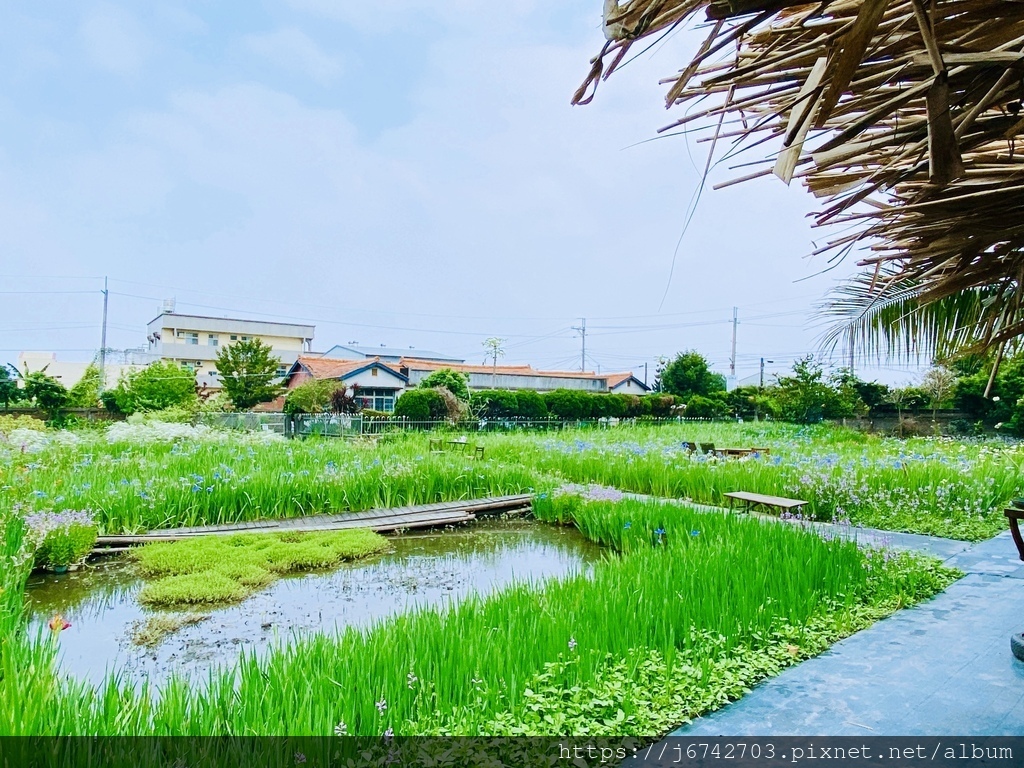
x: 393, y: 354
x: 223, y: 324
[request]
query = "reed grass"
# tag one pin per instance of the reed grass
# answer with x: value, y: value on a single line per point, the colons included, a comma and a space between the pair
x: 714, y: 600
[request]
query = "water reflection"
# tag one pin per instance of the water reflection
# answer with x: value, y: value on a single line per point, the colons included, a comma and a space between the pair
x: 421, y: 570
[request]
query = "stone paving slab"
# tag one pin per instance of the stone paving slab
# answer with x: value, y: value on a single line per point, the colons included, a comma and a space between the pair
x: 942, y: 667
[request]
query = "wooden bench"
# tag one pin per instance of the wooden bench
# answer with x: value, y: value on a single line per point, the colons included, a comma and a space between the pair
x: 1015, y: 515
x: 752, y: 500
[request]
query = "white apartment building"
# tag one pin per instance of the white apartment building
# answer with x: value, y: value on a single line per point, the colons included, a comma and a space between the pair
x: 195, y: 340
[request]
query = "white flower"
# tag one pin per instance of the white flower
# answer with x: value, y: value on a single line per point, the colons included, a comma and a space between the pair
x: 341, y: 729
x: 382, y: 705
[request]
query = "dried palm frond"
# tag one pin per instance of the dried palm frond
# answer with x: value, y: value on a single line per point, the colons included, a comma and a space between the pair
x: 902, y: 116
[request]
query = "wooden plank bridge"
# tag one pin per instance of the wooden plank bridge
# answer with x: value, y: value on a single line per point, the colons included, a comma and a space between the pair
x: 379, y: 520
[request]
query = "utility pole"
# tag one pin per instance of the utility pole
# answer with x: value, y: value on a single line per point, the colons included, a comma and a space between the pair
x: 583, y: 335
x: 103, y: 338
x: 852, y: 373
x: 645, y: 374
x: 732, y: 359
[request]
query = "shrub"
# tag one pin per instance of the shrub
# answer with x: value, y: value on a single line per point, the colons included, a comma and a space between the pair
x: 160, y: 385
x: 421, y: 405
x: 496, y: 403
x: 531, y: 405
x: 45, y: 391
x: 701, y: 407
x: 10, y: 423
x: 312, y: 396
x: 86, y: 392
x: 454, y: 381
x: 661, y: 405
x: 567, y: 404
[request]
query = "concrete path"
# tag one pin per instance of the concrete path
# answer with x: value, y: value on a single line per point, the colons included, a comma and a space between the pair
x: 940, y: 668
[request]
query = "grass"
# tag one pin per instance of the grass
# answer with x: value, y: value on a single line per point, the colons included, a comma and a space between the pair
x: 152, y: 631
x: 931, y: 486
x: 225, y: 569
x: 670, y: 625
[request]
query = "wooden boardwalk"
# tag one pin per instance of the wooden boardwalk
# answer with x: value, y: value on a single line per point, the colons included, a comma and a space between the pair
x: 379, y: 520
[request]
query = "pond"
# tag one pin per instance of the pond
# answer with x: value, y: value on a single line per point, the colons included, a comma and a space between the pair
x: 429, y: 569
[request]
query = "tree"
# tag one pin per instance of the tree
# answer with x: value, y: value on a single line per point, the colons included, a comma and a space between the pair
x: 45, y: 391
x: 938, y: 383
x: 247, y: 371
x: 454, y: 381
x: 495, y: 348
x: 808, y: 396
x: 688, y: 375
x: 86, y: 391
x: 163, y: 384
x: 8, y: 387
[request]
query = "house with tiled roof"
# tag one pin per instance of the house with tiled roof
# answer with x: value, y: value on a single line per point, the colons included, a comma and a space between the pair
x: 525, y: 377
x: 377, y: 383
x: 626, y: 384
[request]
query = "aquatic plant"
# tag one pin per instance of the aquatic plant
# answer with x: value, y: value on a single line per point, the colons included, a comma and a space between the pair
x: 224, y: 569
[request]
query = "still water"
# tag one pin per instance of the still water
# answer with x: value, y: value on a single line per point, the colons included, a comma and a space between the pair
x: 431, y: 569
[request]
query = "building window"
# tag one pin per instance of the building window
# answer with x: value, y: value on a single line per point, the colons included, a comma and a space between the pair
x: 211, y: 340
x: 246, y: 338
x: 376, y: 399
x: 282, y: 371
x: 373, y: 372
x: 234, y: 337
x: 189, y: 337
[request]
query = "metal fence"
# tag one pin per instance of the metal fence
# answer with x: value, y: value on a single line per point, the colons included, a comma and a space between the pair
x: 356, y: 425
x: 248, y: 422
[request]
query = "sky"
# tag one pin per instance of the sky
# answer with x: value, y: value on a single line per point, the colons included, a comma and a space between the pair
x: 401, y: 172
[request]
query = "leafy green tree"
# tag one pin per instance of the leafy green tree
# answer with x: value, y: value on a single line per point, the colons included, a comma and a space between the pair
x: 742, y: 402
x: 687, y: 375
x: 8, y: 387
x: 938, y: 383
x: 455, y: 382
x: 421, y: 405
x: 247, y: 372
x: 163, y: 384
x: 45, y: 391
x: 86, y: 391
x: 808, y: 396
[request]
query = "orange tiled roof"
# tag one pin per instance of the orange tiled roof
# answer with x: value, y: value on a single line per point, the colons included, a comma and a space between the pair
x: 614, y: 379
x: 331, y: 368
x: 521, y: 370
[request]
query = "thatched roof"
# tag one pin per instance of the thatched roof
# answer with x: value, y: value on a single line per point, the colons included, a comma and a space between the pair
x: 900, y: 115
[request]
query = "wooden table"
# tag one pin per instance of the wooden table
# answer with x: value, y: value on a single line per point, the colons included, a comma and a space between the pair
x: 1015, y: 515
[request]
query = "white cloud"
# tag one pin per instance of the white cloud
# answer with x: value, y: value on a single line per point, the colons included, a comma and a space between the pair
x: 114, y: 41
x: 294, y: 50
